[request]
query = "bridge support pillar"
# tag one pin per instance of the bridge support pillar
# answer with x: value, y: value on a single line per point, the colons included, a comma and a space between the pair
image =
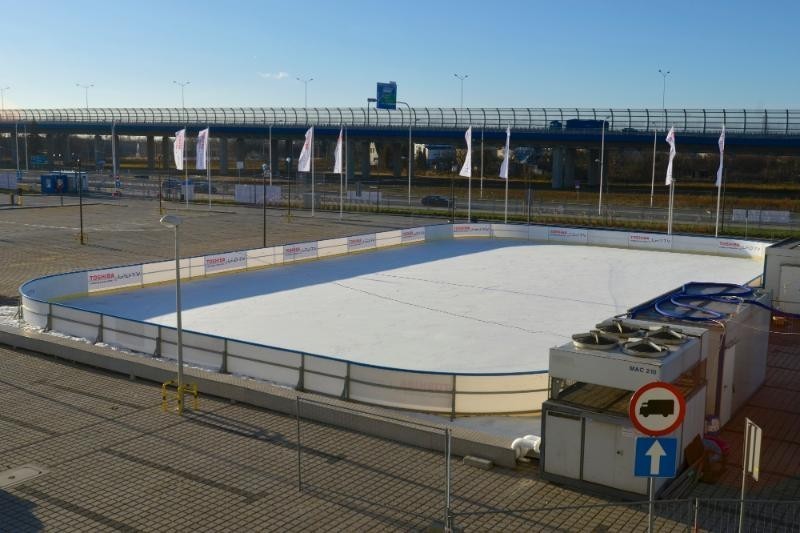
x: 151, y: 152
x: 397, y: 160
x: 98, y: 150
x: 365, y: 159
x: 563, y: 167
x: 593, y: 168
x: 166, y: 153
x: 223, y: 155
x: 241, y: 151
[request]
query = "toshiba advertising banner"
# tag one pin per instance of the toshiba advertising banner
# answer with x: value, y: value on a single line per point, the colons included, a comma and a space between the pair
x: 740, y: 248
x: 412, y: 235
x: 649, y: 241
x: 568, y: 235
x: 114, y: 278
x: 361, y: 242
x: 303, y: 250
x: 222, y: 262
x: 472, y: 230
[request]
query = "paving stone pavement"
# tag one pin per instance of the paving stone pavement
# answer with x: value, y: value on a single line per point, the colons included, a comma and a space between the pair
x: 118, y: 463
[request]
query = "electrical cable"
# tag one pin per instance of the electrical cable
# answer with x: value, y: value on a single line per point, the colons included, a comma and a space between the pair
x: 691, y: 301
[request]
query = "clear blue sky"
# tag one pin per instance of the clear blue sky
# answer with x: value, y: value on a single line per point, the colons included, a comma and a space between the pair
x: 736, y: 54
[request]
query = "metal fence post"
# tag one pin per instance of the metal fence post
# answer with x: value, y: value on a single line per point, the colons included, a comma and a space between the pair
x: 448, y: 518
x: 224, y: 368
x: 453, y: 398
x: 696, y: 512
x: 299, y: 446
x: 100, y: 330
x: 49, y: 325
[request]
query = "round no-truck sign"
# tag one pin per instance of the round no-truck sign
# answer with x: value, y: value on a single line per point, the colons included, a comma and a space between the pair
x: 657, y: 409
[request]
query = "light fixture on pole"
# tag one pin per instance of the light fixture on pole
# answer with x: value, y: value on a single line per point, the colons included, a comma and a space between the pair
x: 410, y: 147
x: 3, y: 97
x: 182, y: 84
x: 664, y: 74
x: 602, y: 155
x: 174, y: 221
x: 461, y: 78
x: 305, y: 82
x: 85, y: 92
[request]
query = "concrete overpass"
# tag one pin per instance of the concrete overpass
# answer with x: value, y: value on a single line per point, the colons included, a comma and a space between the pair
x: 748, y: 131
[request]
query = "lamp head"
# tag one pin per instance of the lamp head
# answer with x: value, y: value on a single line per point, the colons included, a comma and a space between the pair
x: 171, y: 221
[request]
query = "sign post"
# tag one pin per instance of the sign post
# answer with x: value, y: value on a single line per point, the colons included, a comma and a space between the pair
x: 656, y: 409
x: 751, y: 461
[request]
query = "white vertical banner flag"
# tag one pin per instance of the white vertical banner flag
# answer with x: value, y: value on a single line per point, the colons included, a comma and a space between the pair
x: 721, y: 156
x: 304, y: 163
x: 202, y: 146
x: 504, y: 165
x: 177, y: 148
x: 671, y: 141
x: 466, y: 168
x: 337, y: 154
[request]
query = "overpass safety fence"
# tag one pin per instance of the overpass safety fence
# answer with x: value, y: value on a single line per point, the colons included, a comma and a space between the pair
x: 760, y: 122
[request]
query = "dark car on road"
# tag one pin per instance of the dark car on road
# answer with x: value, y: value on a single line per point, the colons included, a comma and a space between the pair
x: 435, y: 200
x: 202, y: 187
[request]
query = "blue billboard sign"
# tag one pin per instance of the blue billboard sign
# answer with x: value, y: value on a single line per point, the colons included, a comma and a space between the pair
x: 386, y: 97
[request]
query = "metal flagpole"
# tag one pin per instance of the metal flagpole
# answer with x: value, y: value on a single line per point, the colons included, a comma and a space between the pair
x: 719, y: 198
x: 482, y: 163
x: 651, y: 504
x: 671, y: 208
x: 185, y: 169
x: 341, y: 180
x: 25, y: 142
x: 469, y: 184
x: 16, y: 141
x: 506, y: 208
x: 271, y: 170
x: 114, y: 154
x: 345, y: 159
x: 653, y: 178
x: 313, y: 199
x: 208, y: 163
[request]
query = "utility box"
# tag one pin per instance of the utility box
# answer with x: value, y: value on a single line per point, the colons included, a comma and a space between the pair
x: 737, y: 340
x: 782, y: 274
x: 588, y: 440
x: 63, y: 183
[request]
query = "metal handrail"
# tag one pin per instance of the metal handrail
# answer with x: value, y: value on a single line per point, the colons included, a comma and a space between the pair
x: 778, y: 122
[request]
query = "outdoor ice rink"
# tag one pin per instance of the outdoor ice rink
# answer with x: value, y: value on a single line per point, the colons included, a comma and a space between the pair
x: 474, y: 305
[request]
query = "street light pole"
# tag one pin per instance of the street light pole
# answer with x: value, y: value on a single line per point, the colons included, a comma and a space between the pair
x: 305, y: 81
x: 461, y: 78
x: 410, y: 148
x: 85, y: 92
x: 173, y: 221
x: 3, y: 98
x: 182, y: 84
x: 602, y: 154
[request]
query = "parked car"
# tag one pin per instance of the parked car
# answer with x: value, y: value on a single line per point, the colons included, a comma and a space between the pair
x: 202, y: 187
x: 435, y: 200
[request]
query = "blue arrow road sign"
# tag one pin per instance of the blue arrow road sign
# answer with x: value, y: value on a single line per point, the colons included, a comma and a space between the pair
x: 655, y: 457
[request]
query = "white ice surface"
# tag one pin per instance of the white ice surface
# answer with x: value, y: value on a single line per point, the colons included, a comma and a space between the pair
x: 453, y: 306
